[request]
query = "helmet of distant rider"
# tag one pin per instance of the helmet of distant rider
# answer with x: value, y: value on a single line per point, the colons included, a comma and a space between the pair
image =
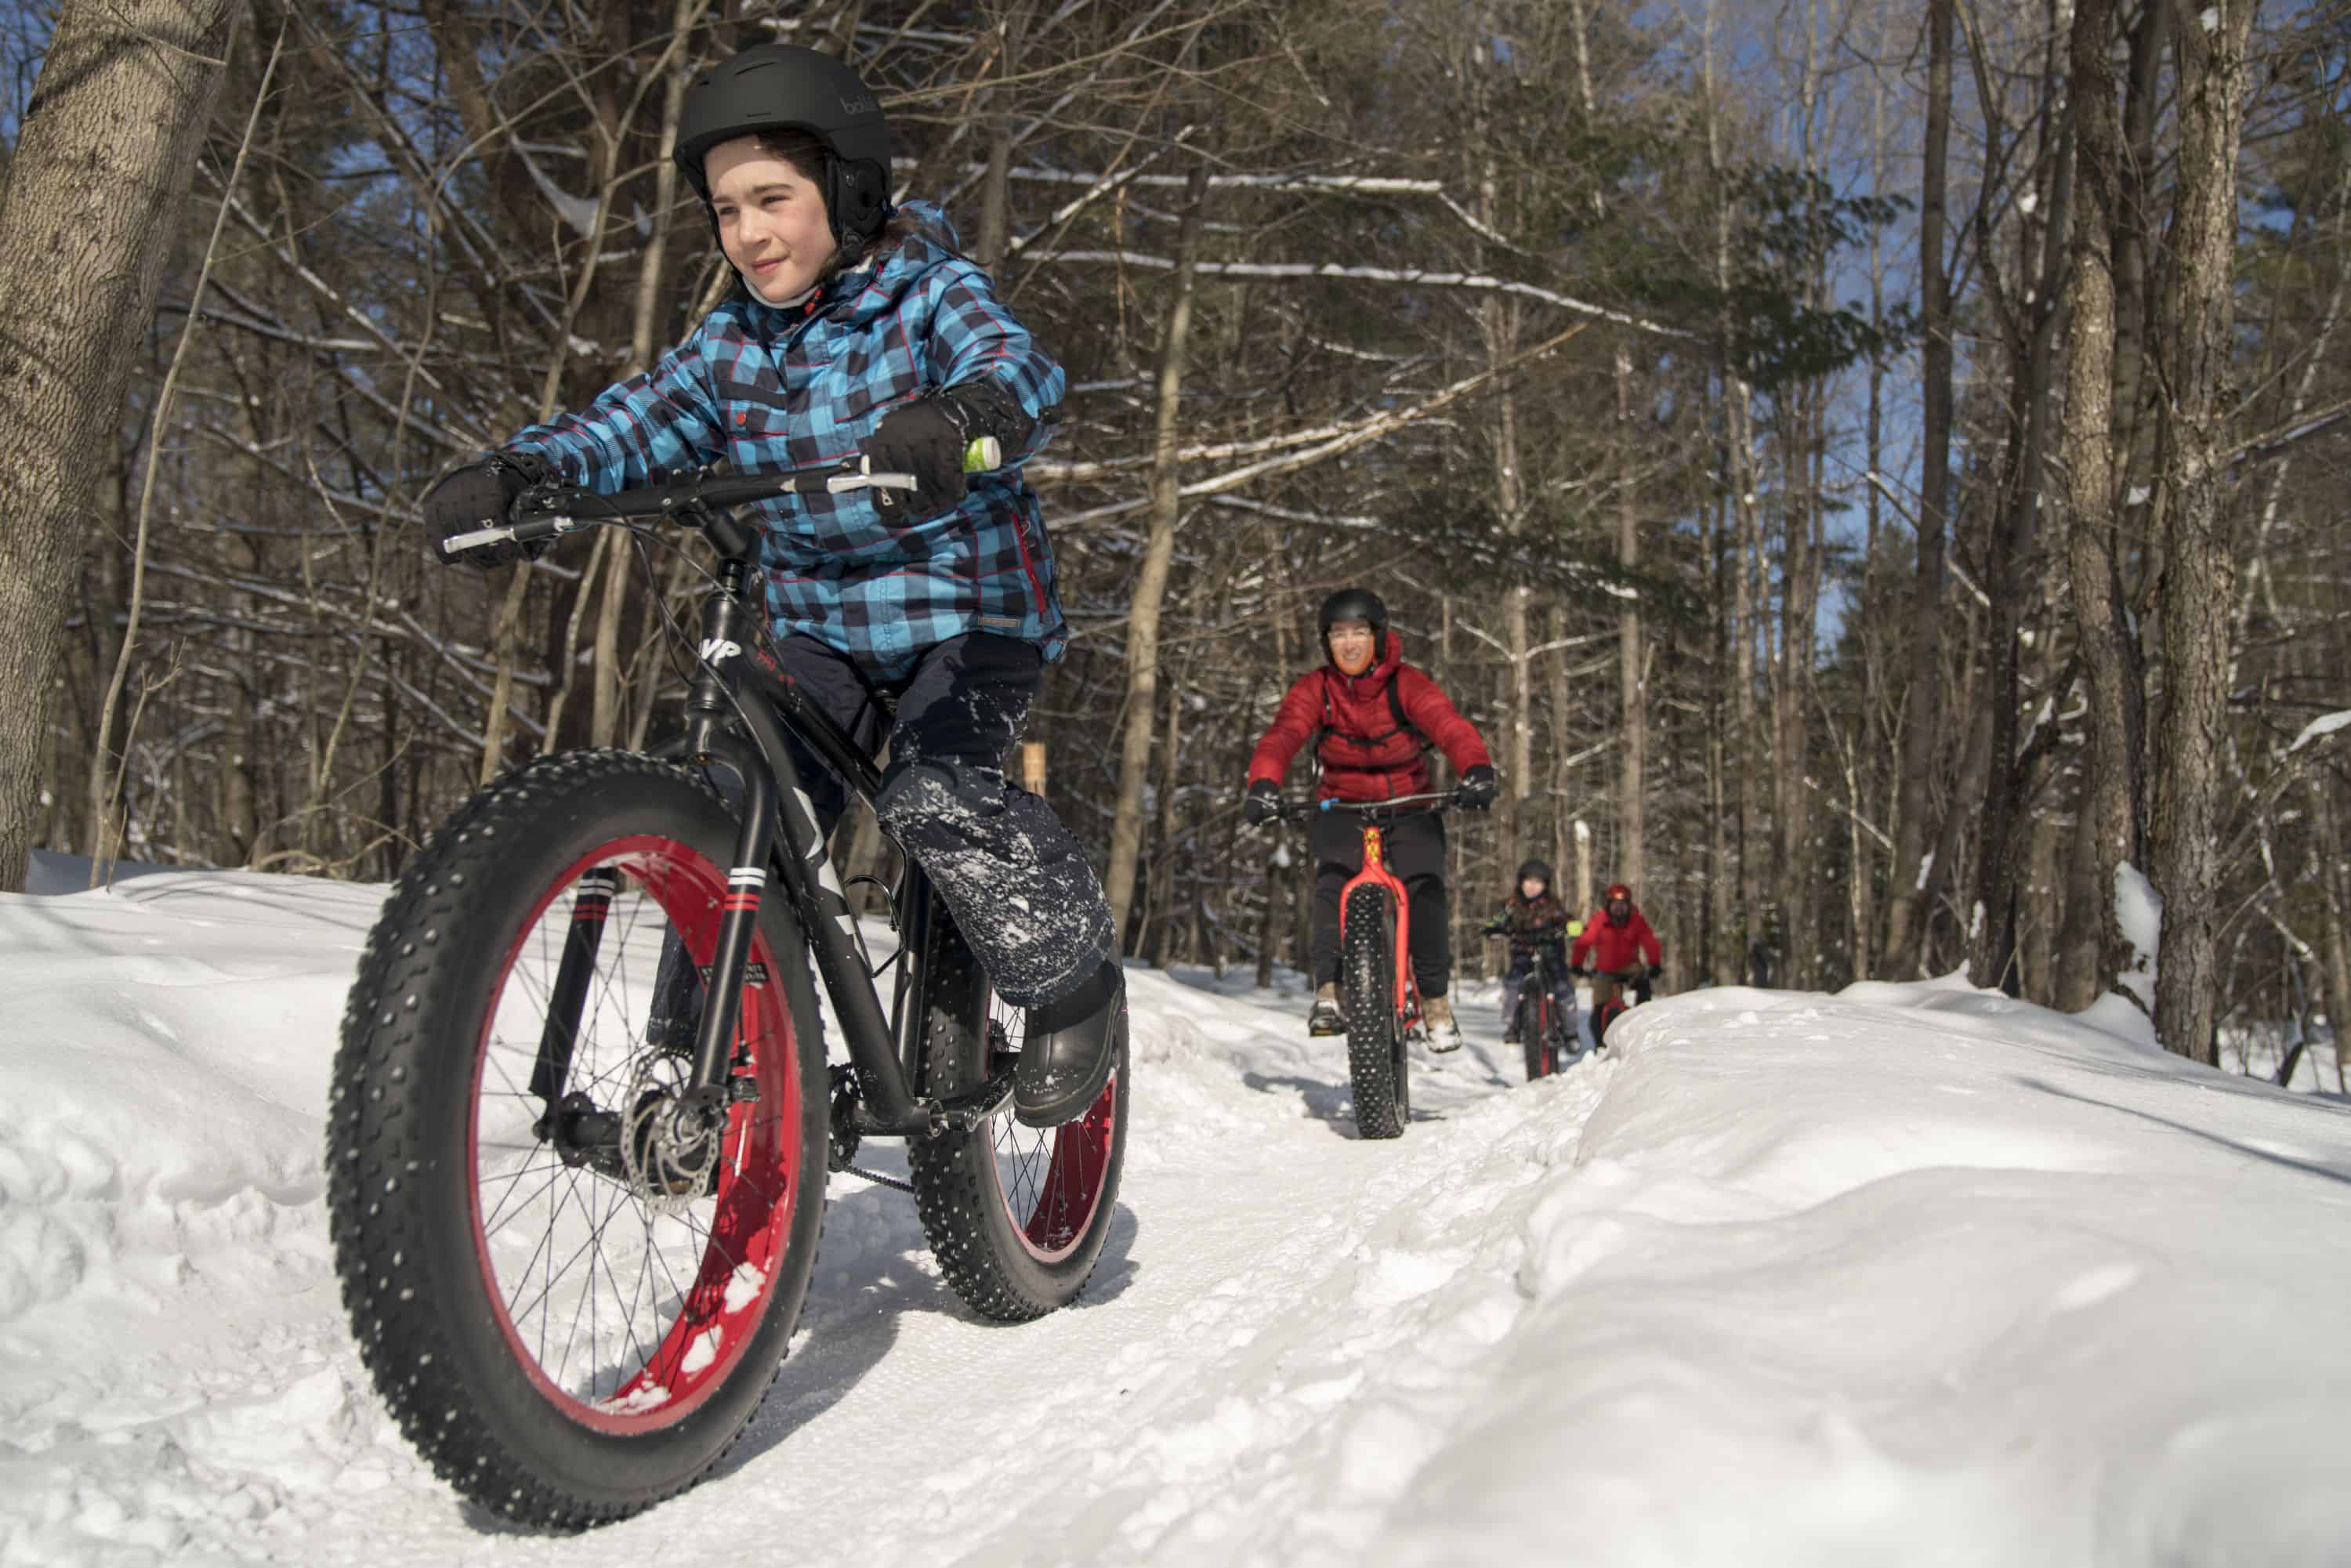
x: 1353, y: 604
x: 782, y: 87
x: 1536, y: 870
x: 1617, y: 894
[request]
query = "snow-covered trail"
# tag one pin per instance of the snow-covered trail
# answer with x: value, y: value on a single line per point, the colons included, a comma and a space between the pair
x: 1276, y: 1307
x: 1911, y: 1274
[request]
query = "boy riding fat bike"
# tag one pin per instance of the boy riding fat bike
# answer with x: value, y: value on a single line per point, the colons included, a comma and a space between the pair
x: 583, y: 1116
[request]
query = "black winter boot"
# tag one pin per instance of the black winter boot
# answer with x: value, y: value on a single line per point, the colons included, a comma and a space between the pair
x: 1073, y: 1042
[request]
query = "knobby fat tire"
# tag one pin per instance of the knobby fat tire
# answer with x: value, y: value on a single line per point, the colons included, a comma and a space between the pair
x: 958, y: 1191
x: 1367, y: 1002
x: 399, y: 1173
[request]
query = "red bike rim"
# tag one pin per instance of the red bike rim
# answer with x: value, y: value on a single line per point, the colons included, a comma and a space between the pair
x: 666, y: 1326
x: 1053, y: 1180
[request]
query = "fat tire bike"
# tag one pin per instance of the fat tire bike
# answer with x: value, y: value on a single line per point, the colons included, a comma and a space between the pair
x: 1378, y: 998
x: 1606, y: 1009
x: 1545, y: 1036
x: 581, y: 1117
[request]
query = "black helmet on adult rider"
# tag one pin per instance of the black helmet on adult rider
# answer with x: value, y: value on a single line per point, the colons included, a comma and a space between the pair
x: 782, y: 87
x: 1353, y: 604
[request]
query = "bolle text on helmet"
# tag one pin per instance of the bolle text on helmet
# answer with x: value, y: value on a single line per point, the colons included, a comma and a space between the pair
x: 860, y: 103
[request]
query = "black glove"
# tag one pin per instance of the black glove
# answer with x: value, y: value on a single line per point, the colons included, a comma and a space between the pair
x: 924, y: 438
x: 1477, y: 789
x: 927, y: 437
x: 1656, y: 970
x: 477, y: 497
x: 1262, y: 803
x: 1579, y: 971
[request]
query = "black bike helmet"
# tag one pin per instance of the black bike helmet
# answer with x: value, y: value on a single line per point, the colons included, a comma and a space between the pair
x: 1536, y: 869
x: 782, y: 87
x: 1353, y: 604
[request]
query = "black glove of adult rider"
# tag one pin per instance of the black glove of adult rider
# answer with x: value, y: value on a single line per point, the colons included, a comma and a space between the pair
x: 477, y: 497
x: 1656, y: 971
x: 1262, y: 803
x: 1477, y: 789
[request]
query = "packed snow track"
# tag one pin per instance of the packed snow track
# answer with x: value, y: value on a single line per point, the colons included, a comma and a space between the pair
x: 1908, y: 1274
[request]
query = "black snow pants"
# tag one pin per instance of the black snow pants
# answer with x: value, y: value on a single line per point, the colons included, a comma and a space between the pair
x: 1413, y: 848
x: 1019, y: 885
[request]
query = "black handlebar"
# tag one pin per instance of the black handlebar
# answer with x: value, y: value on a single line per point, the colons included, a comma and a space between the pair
x: 549, y: 511
x: 1430, y: 804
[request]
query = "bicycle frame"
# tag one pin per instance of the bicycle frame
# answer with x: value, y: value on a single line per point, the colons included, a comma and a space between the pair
x: 1375, y: 873
x: 779, y: 830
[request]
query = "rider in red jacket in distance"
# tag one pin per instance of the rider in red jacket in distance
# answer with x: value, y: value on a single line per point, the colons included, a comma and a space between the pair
x: 1370, y: 718
x: 1615, y: 939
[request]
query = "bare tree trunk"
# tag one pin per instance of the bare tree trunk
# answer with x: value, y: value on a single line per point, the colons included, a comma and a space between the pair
x: 646, y: 317
x: 1563, y: 728
x: 1268, y: 925
x: 505, y: 642
x: 2201, y: 570
x: 1162, y: 862
x: 2110, y: 816
x: 96, y: 181
x: 1632, y: 695
x: 1791, y: 802
x: 996, y: 187
x: 1921, y: 716
x: 1724, y: 959
x: 1993, y: 948
x: 1738, y: 468
x: 1151, y: 582
x: 1633, y: 751
x: 1584, y: 879
x: 2335, y: 916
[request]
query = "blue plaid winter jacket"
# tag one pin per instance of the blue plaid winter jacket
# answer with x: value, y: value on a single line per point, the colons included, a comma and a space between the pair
x: 768, y: 388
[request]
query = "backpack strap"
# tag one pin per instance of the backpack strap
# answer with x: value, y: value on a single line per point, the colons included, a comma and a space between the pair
x: 1396, y: 706
x: 1404, y: 725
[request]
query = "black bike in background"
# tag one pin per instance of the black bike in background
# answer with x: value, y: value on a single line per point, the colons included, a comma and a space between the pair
x: 581, y: 1116
x: 1545, y: 1033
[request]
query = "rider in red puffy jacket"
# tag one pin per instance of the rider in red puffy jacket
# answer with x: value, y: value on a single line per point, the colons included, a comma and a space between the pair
x: 1616, y: 938
x: 1369, y: 718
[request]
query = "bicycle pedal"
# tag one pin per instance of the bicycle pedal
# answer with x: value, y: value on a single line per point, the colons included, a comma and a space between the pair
x: 968, y: 1109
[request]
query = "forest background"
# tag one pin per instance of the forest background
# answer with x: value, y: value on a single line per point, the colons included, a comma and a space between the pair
x: 1873, y: 470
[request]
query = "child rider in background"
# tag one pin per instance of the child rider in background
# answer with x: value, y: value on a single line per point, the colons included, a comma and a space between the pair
x: 1532, y: 917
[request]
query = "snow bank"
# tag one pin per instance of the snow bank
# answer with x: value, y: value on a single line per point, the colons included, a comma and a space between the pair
x: 1918, y: 1274
x: 1911, y: 1274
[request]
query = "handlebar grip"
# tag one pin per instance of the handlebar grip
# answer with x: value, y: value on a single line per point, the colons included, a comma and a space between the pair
x: 528, y: 531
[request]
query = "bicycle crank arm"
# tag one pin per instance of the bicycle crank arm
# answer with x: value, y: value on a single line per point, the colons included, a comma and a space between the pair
x: 962, y: 1112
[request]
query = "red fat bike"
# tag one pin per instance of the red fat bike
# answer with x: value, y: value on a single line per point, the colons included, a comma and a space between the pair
x: 1607, y: 1008
x: 1377, y: 996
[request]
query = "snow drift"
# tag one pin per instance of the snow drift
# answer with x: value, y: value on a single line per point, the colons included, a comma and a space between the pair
x: 1911, y: 1274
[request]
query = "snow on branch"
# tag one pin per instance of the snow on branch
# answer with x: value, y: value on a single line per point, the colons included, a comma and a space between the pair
x: 1412, y: 276
x: 1100, y: 184
x: 1336, y: 442
x: 576, y: 212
